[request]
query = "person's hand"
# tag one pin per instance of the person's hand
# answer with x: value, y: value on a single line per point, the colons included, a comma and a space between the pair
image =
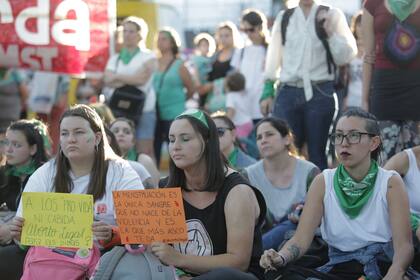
x: 5, y: 234
x: 266, y: 106
x: 395, y: 274
x: 294, y: 216
x: 271, y: 259
x: 102, y: 231
x: 16, y: 227
x: 165, y: 253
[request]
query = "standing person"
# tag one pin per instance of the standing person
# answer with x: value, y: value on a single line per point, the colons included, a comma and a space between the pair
x: 355, y: 67
x: 172, y: 83
x: 25, y: 152
x: 13, y: 96
x: 306, y: 97
x: 223, y: 212
x: 250, y: 60
x: 281, y: 176
x: 124, y: 132
x: 85, y: 164
x: 134, y: 65
x: 212, y: 92
x: 391, y: 70
x: 362, y: 209
x: 229, y: 144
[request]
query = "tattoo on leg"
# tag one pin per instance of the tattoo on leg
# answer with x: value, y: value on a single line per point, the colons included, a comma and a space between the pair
x: 294, y: 252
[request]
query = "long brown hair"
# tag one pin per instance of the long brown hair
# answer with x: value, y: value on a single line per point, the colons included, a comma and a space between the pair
x: 97, y: 182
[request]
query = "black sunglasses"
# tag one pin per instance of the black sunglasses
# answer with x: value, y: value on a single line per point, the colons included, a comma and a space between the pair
x: 221, y: 131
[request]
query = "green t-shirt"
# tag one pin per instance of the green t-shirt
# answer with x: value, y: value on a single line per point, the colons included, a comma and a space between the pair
x: 170, y: 92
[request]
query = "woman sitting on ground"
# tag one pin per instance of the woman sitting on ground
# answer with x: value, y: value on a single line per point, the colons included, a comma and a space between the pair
x: 124, y: 132
x: 25, y: 152
x: 281, y: 176
x: 229, y: 145
x: 362, y: 209
x: 220, y: 206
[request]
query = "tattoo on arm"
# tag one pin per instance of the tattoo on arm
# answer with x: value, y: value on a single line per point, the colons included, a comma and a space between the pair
x: 294, y: 252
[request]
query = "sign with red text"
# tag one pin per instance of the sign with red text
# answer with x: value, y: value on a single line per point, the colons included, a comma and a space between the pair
x: 145, y: 216
x: 65, y: 36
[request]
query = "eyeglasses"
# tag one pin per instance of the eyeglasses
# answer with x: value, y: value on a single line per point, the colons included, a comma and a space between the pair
x: 248, y: 30
x: 352, y: 137
x: 221, y: 131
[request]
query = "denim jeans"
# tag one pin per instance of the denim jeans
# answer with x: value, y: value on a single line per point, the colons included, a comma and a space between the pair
x: 310, y: 121
x: 274, y: 237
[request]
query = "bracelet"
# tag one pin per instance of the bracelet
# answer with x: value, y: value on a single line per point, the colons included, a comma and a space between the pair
x: 283, y: 259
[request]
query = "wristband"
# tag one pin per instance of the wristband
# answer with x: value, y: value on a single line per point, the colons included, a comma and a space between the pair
x: 268, y: 91
x: 414, y: 221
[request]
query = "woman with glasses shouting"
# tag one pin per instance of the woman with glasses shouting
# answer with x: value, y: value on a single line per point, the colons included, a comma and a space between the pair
x: 362, y: 210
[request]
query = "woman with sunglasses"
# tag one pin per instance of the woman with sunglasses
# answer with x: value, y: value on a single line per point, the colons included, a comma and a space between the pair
x: 362, y: 209
x: 250, y: 60
x: 229, y: 145
x: 282, y: 177
x: 223, y: 212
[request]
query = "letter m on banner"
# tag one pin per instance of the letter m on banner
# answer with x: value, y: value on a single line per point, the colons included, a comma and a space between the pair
x: 65, y: 36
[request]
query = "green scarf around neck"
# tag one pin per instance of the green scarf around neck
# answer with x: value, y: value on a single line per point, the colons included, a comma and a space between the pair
x: 131, y: 155
x: 402, y: 8
x: 27, y: 169
x: 233, y: 157
x: 126, y: 56
x: 353, y: 195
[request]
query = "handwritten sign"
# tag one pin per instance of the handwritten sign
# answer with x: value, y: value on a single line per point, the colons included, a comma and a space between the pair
x: 57, y: 220
x: 145, y: 216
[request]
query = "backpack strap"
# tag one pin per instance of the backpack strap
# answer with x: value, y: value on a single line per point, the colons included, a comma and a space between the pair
x: 284, y: 23
x: 108, y: 263
x: 157, y: 269
x: 322, y: 35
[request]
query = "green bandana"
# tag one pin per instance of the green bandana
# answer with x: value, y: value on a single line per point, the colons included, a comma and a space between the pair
x: 414, y: 220
x: 131, y: 155
x: 127, y: 56
x: 196, y: 114
x: 354, y: 195
x: 402, y: 8
x: 22, y: 170
x: 233, y: 157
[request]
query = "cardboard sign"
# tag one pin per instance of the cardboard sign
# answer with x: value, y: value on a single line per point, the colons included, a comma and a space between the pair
x: 66, y: 36
x: 145, y: 216
x: 57, y: 220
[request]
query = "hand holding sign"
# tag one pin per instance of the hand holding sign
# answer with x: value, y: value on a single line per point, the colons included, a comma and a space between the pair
x: 146, y: 216
x: 57, y: 220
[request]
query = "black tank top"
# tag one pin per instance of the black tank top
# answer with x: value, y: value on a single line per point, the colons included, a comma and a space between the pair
x: 207, y: 231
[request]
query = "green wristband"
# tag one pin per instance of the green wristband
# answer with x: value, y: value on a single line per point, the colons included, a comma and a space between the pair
x: 414, y: 220
x: 268, y: 91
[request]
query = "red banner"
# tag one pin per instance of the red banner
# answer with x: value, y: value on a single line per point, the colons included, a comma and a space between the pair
x: 65, y: 36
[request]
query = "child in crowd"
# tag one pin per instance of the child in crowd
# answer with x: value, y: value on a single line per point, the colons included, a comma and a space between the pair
x: 236, y: 106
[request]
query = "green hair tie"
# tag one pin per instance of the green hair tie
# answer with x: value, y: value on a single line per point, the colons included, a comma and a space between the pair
x: 195, y: 113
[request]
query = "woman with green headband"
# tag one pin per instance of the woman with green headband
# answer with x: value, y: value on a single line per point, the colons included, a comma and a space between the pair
x: 224, y: 213
x: 25, y: 152
x: 361, y: 208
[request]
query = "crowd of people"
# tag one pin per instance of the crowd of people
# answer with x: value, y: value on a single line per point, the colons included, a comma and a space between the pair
x: 249, y: 127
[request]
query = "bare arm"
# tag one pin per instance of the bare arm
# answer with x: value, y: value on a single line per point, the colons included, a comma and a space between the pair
x: 369, y: 55
x: 241, y: 211
x: 399, y: 163
x: 309, y: 221
x: 140, y: 77
x: 230, y: 112
x: 187, y: 80
x: 401, y: 232
x: 150, y: 166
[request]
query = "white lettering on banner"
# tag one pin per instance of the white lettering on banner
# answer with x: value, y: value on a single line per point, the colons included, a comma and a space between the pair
x: 68, y: 32
x: 6, y: 15
x: 80, y: 26
x: 41, y: 14
x: 35, y: 57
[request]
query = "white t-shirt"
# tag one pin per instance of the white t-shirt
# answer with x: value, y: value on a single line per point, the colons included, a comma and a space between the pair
x: 250, y: 61
x: 120, y: 176
x: 411, y: 180
x: 137, y: 62
x: 237, y: 100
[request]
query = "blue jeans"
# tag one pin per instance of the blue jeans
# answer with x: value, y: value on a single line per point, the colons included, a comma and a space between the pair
x: 273, y: 238
x: 311, y: 120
